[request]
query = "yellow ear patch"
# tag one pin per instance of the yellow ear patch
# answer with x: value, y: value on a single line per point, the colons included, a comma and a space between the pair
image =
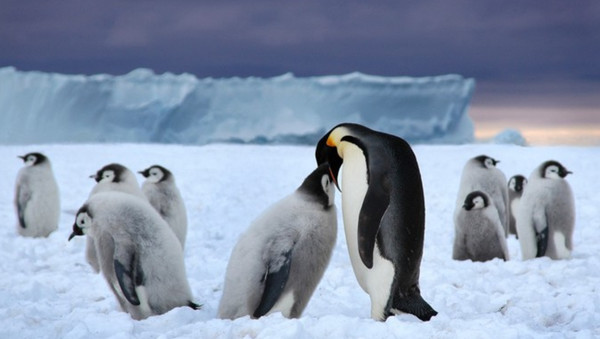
x: 330, y: 141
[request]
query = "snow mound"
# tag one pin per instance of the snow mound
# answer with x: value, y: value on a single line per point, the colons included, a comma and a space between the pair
x: 510, y: 136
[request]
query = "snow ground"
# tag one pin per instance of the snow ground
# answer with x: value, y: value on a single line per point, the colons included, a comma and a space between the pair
x: 47, y: 290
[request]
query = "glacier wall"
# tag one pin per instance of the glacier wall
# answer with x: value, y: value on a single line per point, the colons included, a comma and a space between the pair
x: 141, y: 106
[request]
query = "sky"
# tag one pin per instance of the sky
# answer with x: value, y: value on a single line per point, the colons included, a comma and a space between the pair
x: 540, y: 56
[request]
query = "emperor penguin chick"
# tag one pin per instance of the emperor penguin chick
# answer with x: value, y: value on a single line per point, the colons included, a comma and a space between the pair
x: 516, y: 185
x: 162, y: 193
x: 479, y: 236
x: 116, y: 178
x: 480, y: 174
x: 278, y: 262
x: 36, y: 197
x: 546, y: 216
x: 383, y: 206
x: 141, y: 259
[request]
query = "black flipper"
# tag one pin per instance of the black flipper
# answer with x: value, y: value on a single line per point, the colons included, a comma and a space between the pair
x: 374, y: 205
x: 129, y: 274
x: 23, y: 197
x: 194, y: 306
x: 415, y: 305
x: 542, y: 242
x: 274, y: 284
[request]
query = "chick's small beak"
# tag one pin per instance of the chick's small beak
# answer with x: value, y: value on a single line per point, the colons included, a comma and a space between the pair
x: 76, y: 231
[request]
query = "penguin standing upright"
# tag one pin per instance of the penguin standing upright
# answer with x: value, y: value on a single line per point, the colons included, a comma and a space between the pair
x: 384, y: 215
x: 36, y: 197
x: 546, y: 215
x: 479, y: 235
x: 278, y: 262
x: 162, y: 193
x: 117, y: 178
x: 481, y: 174
x: 141, y: 258
x: 516, y: 184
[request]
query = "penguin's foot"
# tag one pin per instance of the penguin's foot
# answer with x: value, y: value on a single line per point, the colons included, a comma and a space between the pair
x: 414, y: 305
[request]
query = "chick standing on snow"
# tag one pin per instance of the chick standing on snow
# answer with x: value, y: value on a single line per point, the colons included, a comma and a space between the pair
x: 278, y: 262
x: 546, y: 217
x: 162, y: 193
x: 117, y: 178
x: 479, y: 236
x: 140, y: 257
x: 36, y: 197
x: 480, y: 174
x: 516, y: 184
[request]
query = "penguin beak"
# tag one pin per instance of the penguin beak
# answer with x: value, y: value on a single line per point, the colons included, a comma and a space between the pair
x: 326, y: 152
x: 21, y: 157
x: 564, y: 173
x: 145, y: 173
x: 468, y: 206
x: 76, y: 231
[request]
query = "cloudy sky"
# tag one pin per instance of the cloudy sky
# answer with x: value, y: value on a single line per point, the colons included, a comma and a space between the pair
x: 540, y: 53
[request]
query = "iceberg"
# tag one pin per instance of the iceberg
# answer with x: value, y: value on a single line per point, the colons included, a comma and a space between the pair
x: 145, y: 107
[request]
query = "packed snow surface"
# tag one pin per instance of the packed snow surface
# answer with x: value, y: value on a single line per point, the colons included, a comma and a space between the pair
x: 142, y: 106
x: 47, y: 290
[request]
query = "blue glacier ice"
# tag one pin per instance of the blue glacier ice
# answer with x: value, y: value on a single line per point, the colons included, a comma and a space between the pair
x: 141, y: 106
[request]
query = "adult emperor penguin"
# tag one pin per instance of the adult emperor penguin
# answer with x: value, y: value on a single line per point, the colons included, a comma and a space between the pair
x: 546, y: 216
x: 384, y: 215
x: 481, y: 174
x: 516, y: 184
x: 479, y: 235
x: 141, y: 258
x: 112, y: 177
x: 162, y: 193
x: 36, y: 197
x: 278, y: 262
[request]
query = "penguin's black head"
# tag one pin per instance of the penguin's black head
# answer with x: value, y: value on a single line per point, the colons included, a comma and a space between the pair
x: 517, y: 183
x: 476, y: 199
x: 553, y: 169
x: 34, y: 158
x: 487, y: 162
x: 111, y: 172
x: 83, y: 220
x: 156, y: 173
x: 326, y: 152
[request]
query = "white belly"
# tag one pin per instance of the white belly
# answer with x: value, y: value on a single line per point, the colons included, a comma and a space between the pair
x: 377, y: 280
x: 514, y: 206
